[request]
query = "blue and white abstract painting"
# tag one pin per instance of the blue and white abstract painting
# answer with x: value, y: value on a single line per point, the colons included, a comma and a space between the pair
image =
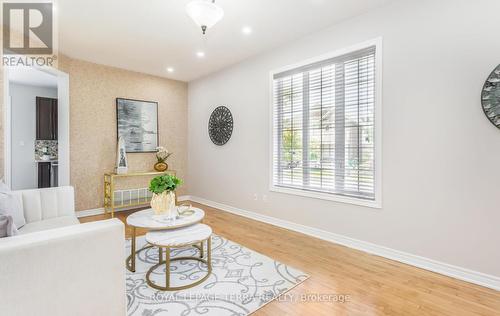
x: 138, y: 124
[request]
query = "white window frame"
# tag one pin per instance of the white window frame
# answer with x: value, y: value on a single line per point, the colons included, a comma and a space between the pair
x: 377, y: 201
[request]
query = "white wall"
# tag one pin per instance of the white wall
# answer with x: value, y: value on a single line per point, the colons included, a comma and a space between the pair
x: 441, y: 181
x: 23, y: 135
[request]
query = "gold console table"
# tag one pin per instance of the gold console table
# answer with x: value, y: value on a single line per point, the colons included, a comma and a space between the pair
x: 110, y: 192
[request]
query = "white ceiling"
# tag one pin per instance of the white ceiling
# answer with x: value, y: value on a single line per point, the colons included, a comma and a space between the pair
x: 32, y: 77
x: 150, y: 35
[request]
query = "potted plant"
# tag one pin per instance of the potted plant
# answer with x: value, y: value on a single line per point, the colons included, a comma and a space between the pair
x: 162, y: 155
x: 163, y: 200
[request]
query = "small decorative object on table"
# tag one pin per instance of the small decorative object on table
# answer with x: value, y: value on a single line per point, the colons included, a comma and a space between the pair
x: 163, y: 200
x: 162, y: 155
x: 121, y: 157
x: 185, y: 209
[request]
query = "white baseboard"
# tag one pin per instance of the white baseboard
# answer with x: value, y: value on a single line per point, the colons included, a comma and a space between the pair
x: 471, y: 276
x: 92, y: 212
x: 100, y: 211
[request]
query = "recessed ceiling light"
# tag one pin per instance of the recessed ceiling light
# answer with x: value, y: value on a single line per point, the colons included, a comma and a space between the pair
x: 170, y: 69
x: 200, y: 54
x: 246, y: 30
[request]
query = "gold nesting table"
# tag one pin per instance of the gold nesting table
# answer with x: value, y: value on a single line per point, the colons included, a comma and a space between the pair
x: 146, y: 220
x: 166, y: 240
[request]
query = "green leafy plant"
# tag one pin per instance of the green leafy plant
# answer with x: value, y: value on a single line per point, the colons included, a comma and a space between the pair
x: 164, y: 183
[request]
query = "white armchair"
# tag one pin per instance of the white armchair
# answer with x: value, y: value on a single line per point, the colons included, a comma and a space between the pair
x: 47, y: 208
x: 57, y: 266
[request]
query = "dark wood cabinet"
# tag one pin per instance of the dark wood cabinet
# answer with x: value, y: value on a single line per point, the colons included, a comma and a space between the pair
x: 46, y: 118
x: 44, y: 175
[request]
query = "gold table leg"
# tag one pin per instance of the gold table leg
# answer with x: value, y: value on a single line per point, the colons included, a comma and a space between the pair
x: 128, y: 262
x: 201, y: 249
x: 209, y: 253
x: 167, y: 263
x: 132, y: 249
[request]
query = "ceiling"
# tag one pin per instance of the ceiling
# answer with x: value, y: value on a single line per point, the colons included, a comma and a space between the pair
x: 150, y: 35
x: 32, y: 77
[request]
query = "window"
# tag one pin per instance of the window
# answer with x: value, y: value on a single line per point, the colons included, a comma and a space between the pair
x: 325, y: 128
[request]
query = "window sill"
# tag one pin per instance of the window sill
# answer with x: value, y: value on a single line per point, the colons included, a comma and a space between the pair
x: 328, y: 197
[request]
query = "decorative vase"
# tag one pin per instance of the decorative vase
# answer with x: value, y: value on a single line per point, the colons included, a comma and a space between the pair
x: 163, y: 205
x: 161, y: 166
x: 121, y: 157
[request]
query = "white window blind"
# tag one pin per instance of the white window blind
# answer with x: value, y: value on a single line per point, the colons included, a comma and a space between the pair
x: 324, y: 126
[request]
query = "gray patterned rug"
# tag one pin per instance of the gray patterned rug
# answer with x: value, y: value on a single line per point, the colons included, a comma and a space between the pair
x: 242, y: 281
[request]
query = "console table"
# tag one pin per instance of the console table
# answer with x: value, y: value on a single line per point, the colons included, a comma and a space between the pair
x: 139, y: 198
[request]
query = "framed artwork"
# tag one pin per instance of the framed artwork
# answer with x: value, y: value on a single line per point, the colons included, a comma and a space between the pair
x: 137, y: 123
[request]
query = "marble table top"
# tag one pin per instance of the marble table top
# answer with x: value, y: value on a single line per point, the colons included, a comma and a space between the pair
x: 146, y: 219
x: 180, y: 237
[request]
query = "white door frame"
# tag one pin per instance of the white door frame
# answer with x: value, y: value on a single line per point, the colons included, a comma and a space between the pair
x: 63, y: 125
x: 7, y: 148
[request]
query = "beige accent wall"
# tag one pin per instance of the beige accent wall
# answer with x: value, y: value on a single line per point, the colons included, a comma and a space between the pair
x: 93, y: 92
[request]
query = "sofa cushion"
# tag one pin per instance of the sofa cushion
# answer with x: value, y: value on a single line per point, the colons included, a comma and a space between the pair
x: 7, y: 226
x: 49, y: 224
x: 11, y: 204
x: 43, y: 204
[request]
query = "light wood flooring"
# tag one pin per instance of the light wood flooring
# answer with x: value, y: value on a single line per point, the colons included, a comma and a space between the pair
x: 375, y: 285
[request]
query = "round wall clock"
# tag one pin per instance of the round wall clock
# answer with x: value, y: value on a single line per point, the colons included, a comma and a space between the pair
x: 220, y: 125
x: 490, y: 97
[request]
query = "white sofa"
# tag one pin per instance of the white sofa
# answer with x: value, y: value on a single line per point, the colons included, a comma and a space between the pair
x: 56, y: 266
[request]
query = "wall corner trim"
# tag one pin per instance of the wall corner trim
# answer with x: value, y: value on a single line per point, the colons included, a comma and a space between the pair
x: 479, y: 278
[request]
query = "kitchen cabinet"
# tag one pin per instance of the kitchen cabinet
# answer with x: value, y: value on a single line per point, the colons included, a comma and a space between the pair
x: 44, y: 175
x: 46, y: 118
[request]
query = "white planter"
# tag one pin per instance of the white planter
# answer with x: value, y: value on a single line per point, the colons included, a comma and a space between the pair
x: 163, y: 205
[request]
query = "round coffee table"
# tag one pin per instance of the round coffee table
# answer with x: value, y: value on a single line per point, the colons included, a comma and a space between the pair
x: 179, y: 238
x: 144, y: 219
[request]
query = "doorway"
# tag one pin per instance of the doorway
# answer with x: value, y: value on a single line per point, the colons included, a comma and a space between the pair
x: 36, y: 128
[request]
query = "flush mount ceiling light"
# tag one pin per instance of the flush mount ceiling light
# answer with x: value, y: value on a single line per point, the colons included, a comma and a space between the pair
x: 205, y: 13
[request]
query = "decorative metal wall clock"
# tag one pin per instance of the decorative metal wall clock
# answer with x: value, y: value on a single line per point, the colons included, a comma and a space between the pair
x: 490, y: 97
x: 220, y: 125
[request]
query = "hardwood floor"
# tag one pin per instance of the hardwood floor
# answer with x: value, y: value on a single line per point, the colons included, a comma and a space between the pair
x: 375, y: 285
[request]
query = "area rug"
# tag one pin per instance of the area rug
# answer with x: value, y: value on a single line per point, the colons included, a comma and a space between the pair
x: 242, y: 281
